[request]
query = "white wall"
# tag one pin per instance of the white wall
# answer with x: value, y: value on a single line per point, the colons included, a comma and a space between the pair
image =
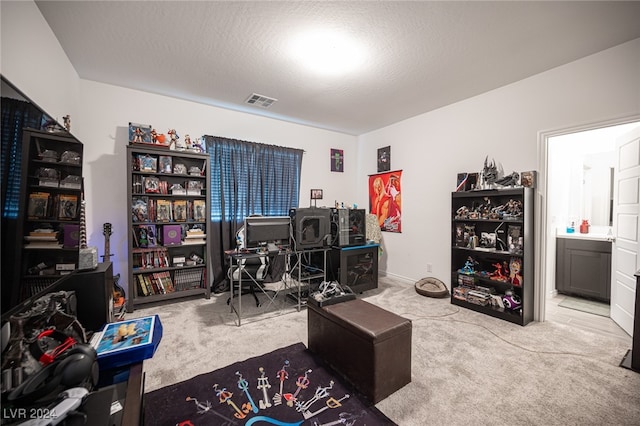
x: 504, y: 125
x: 33, y: 60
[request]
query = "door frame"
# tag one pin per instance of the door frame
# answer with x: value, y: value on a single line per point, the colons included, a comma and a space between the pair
x: 542, y: 267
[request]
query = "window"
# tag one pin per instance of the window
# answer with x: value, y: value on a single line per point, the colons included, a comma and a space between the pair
x: 252, y: 178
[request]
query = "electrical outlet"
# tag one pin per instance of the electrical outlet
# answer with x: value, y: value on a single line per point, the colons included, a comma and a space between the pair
x: 429, y: 267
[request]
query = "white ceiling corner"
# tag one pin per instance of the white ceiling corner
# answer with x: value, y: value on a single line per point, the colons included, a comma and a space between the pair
x: 421, y: 55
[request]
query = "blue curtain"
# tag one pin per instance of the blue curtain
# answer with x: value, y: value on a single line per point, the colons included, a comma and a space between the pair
x: 247, y: 178
x: 16, y: 115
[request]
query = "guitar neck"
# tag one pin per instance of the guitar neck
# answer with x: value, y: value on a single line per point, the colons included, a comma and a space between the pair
x: 106, y: 231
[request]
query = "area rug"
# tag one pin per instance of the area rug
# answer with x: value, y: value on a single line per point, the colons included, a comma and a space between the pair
x: 585, y: 305
x: 289, y: 386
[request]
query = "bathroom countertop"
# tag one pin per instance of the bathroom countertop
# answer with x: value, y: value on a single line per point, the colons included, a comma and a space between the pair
x: 594, y: 234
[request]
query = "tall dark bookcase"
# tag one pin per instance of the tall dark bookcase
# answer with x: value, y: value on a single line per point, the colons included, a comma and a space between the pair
x: 169, y: 217
x: 492, y: 252
x: 46, y: 231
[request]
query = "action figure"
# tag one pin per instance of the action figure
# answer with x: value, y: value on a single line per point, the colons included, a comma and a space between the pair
x: 137, y: 135
x: 175, y: 140
x: 469, y: 267
x: 515, y: 277
x: 498, y: 274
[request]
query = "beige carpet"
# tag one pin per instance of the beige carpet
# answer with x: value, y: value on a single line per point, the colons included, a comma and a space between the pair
x: 467, y: 368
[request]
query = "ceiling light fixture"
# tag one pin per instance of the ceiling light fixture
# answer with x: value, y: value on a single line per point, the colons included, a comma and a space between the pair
x: 328, y: 52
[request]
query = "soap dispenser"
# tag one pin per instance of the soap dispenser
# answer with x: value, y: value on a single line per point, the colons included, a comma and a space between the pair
x: 584, y: 226
x: 571, y: 228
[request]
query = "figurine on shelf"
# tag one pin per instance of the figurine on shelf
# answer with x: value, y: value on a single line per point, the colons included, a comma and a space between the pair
x: 67, y: 122
x: 484, y: 209
x: 511, y: 300
x: 514, y: 208
x: 469, y: 267
x: 509, y: 180
x: 470, y: 237
x: 198, y: 145
x: 488, y: 240
x: 498, y: 274
x: 51, y: 126
x: 137, y: 135
x: 462, y: 212
x: 510, y: 210
x: 490, y: 174
x: 175, y: 143
x: 515, y: 268
x: 187, y: 142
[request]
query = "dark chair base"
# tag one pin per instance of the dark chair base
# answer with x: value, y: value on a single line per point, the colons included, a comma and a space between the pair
x: 244, y: 291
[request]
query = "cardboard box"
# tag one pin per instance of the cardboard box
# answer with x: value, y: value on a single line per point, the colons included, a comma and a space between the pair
x: 127, y: 342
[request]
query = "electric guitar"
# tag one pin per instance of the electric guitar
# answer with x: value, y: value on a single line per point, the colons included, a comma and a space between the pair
x: 118, y: 291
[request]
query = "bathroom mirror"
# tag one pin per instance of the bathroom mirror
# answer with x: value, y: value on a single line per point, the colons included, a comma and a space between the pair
x: 597, y: 188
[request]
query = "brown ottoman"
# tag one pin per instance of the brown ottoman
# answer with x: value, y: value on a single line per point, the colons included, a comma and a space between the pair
x: 369, y: 346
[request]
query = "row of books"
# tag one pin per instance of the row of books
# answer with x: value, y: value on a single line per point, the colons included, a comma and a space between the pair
x: 155, y: 283
x: 145, y: 209
x: 43, y: 205
x: 157, y: 258
x: 162, y: 282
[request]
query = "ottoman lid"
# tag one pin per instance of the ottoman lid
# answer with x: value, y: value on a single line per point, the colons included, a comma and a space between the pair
x: 365, y: 318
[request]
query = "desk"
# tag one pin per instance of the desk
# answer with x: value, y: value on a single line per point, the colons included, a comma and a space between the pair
x: 305, y: 270
x: 295, y: 274
x: 128, y: 393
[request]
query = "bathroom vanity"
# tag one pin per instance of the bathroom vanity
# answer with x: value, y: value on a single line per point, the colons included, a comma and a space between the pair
x: 583, y: 265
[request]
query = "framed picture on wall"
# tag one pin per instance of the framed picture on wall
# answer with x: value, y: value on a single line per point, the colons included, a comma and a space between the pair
x: 316, y: 194
x: 384, y: 159
x: 337, y: 160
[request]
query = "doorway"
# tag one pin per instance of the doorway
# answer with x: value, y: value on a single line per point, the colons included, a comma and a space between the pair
x: 576, y: 179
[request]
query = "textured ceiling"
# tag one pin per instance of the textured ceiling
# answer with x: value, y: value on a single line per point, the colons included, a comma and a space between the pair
x: 419, y: 55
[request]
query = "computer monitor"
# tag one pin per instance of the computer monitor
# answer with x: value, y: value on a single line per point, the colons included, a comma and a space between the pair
x: 261, y: 230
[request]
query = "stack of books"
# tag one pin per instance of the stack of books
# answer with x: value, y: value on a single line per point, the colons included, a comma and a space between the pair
x: 195, y: 236
x: 42, y: 238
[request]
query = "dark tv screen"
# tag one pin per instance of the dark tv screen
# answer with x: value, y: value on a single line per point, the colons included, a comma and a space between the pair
x: 260, y: 230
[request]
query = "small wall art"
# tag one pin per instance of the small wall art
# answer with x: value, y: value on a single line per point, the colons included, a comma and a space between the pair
x: 337, y: 160
x: 384, y: 159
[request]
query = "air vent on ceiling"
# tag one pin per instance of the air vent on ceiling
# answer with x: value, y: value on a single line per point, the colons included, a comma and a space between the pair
x: 260, y: 100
